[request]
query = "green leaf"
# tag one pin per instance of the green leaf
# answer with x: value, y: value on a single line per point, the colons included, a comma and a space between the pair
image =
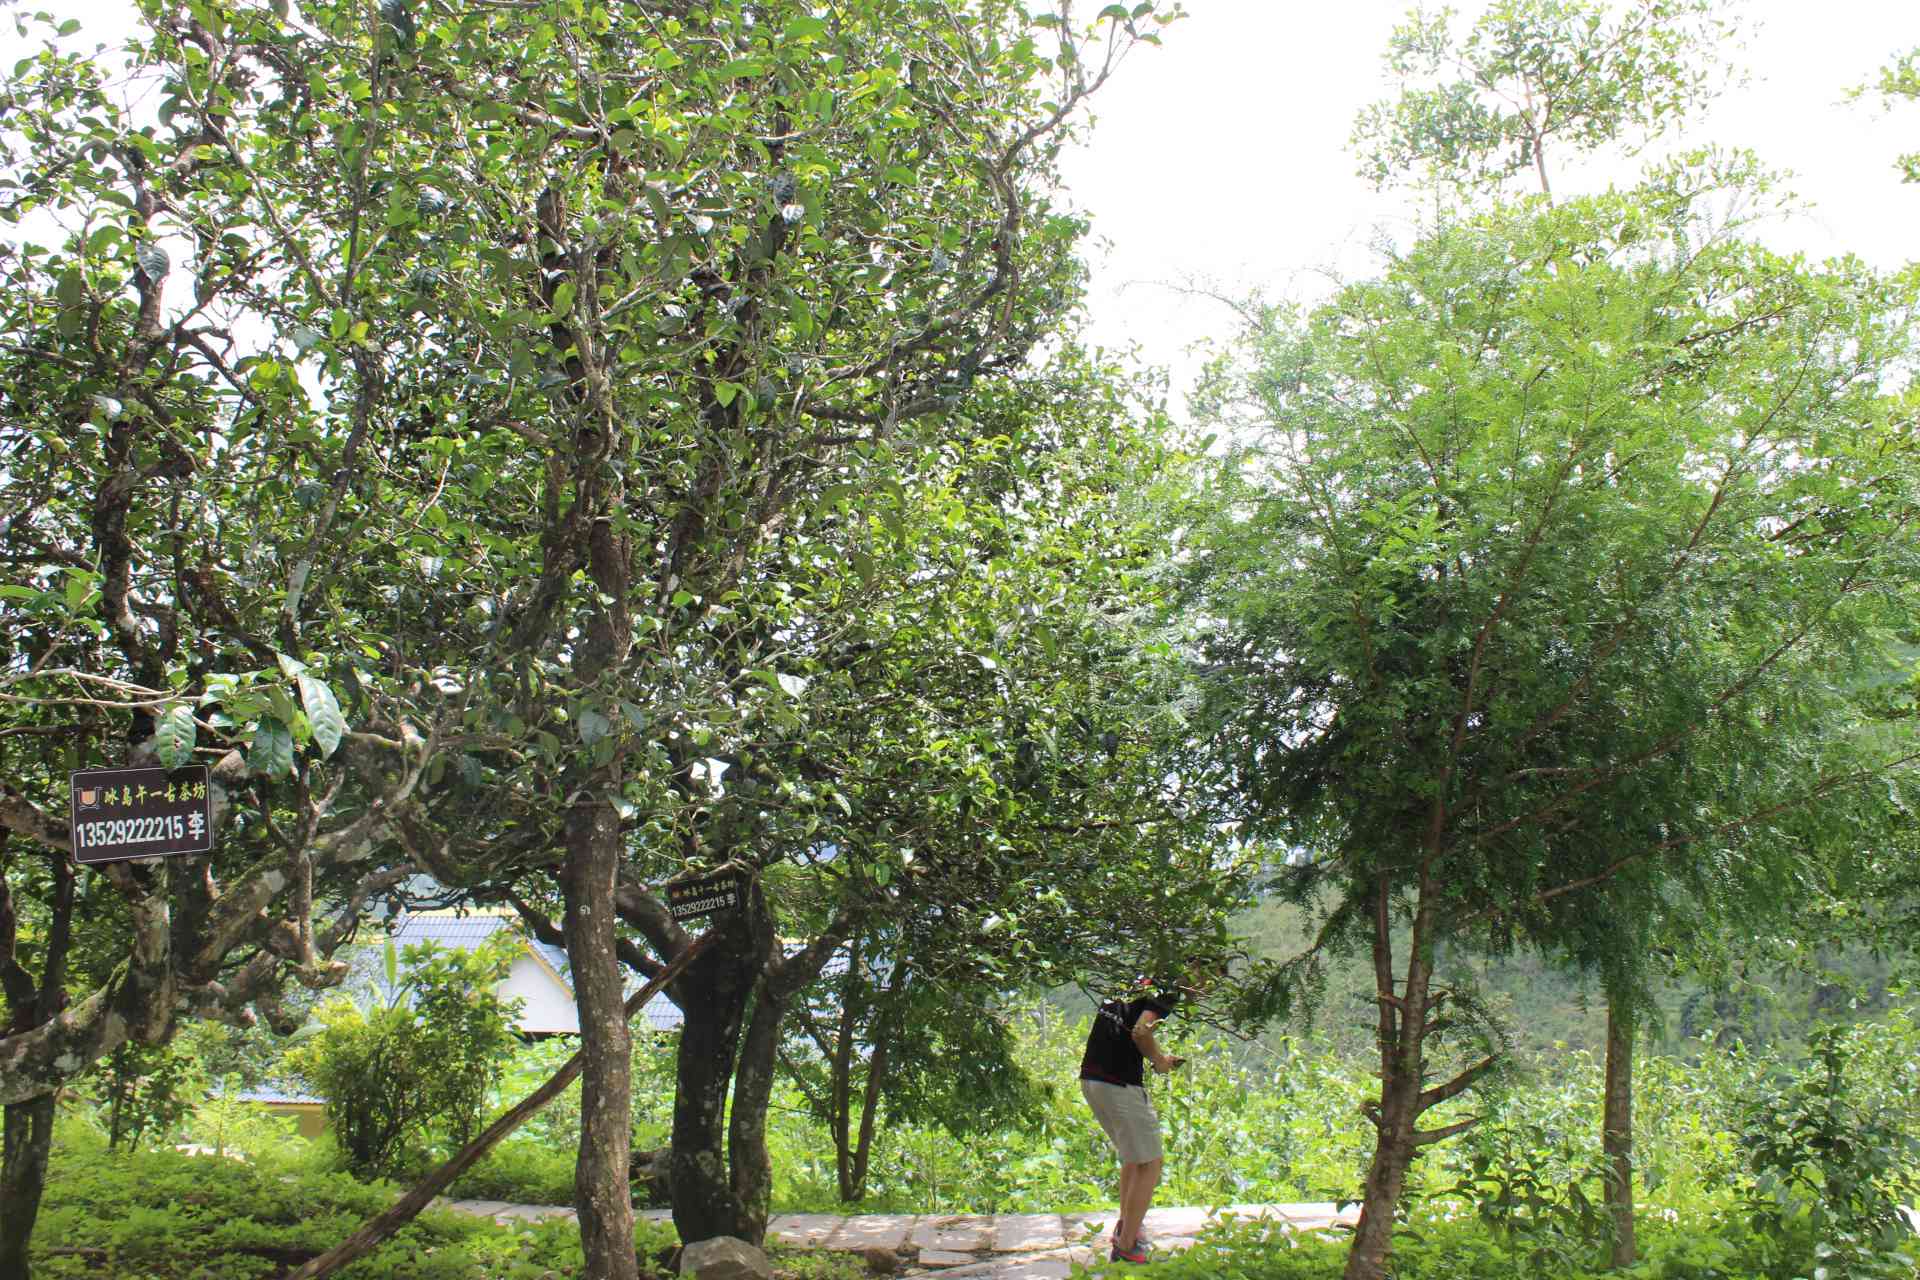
x: 271, y: 753
x: 724, y: 392
x: 593, y: 726
x: 289, y: 666
x: 323, y: 713
x: 174, y: 736
x: 804, y: 28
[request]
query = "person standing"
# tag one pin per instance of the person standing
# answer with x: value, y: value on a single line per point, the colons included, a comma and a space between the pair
x: 1113, y: 1081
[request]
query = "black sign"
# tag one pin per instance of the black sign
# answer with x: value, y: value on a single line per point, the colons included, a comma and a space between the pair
x: 692, y: 899
x: 140, y: 813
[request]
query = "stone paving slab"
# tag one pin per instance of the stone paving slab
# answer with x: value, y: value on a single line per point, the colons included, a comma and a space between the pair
x: 974, y: 1270
x: 804, y: 1230
x: 961, y: 1233
x: 872, y: 1231
x: 1054, y: 1265
x: 1084, y: 1226
x: 1035, y: 1269
x: 1174, y: 1222
x: 942, y: 1258
x: 1027, y: 1232
x: 534, y: 1212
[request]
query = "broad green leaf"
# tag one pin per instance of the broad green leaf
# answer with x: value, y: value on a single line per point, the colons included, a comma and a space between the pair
x: 270, y: 754
x: 174, y: 736
x: 323, y: 713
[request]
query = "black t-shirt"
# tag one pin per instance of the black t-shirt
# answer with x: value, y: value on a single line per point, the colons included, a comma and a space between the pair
x: 1111, y: 1054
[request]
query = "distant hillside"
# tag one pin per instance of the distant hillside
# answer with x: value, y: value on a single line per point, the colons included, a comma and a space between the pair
x: 1547, y: 1009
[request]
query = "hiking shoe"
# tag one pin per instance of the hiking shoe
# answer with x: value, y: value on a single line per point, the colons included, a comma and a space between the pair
x: 1138, y: 1253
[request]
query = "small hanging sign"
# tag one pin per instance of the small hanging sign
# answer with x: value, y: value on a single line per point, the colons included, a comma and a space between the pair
x: 140, y: 813
x: 706, y: 895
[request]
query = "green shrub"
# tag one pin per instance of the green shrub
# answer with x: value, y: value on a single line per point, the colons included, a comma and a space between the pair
x: 143, y: 1092
x: 162, y: 1215
x: 1830, y: 1169
x: 522, y: 1172
x: 426, y: 1061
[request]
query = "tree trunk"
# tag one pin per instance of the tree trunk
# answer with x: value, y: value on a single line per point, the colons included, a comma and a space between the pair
x: 713, y: 997
x: 840, y: 1091
x: 1386, y: 1177
x: 602, y: 1193
x: 23, y: 1176
x: 1404, y: 1021
x: 869, y: 1110
x: 26, y: 1128
x: 1397, y: 1035
x: 1616, y: 1135
x: 752, y: 1166
x: 885, y: 1023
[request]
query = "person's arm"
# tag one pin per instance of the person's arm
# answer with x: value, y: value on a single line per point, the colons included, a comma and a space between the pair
x: 1149, y: 1048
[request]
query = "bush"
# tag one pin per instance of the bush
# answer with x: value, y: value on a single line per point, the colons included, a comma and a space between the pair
x: 425, y: 1061
x: 161, y: 1215
x: 145, y: 1091
x: 1830, y: 1169
x: 521, y: 1173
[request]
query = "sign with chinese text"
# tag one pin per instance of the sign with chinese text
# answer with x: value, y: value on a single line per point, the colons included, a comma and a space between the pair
x: 140, y: 813
x: 692, y: 899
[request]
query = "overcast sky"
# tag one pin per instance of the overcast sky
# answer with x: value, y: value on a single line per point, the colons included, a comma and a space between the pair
x: 1221, y: 157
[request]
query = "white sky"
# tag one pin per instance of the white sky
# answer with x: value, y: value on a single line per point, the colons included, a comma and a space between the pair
x: 1221, y: 157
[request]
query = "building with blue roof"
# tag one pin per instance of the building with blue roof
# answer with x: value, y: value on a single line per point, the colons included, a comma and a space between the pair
x: 540, y: 979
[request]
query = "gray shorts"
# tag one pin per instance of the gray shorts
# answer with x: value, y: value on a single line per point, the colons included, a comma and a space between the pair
x: 1126, y: 1113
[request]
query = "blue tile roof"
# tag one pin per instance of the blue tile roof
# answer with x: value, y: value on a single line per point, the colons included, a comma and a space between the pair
x: 269, y: 1092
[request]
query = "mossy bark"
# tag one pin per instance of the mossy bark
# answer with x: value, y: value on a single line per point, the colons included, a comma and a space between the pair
x: 714, y: 997
x: 601, y: 1192
x: 23, y: 1177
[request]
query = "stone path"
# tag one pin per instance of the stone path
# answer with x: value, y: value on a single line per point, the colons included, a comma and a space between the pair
x: 1007, y: 1246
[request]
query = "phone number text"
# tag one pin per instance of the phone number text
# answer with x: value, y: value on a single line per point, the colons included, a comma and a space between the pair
x: 121, y: 831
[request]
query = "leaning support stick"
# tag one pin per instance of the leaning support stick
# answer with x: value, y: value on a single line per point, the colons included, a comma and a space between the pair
x: 382, y: 1225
